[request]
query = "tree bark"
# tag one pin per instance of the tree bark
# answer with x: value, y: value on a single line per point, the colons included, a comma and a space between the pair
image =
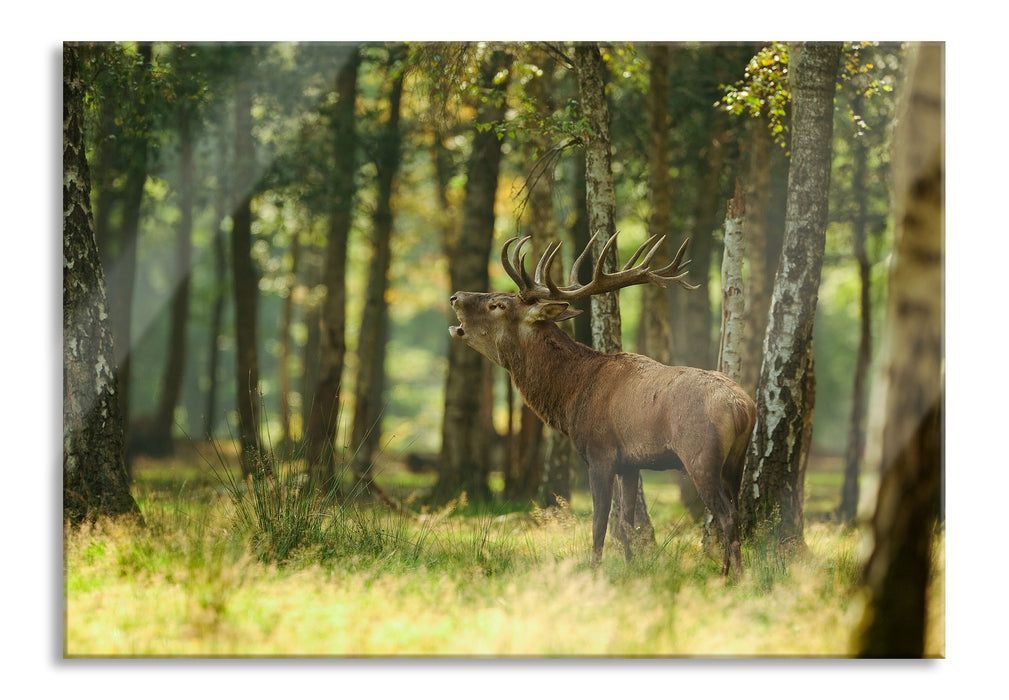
x: 95, y: 481
x: 910, y: 495
x: 366, y: 428
x: 320, y: 434
x: 601, y: 204
x: 733, y: 334
x: 773, y: 479
x: 465, y: 457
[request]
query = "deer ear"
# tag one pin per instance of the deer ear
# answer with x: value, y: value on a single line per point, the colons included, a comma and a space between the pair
x: 556, y: 311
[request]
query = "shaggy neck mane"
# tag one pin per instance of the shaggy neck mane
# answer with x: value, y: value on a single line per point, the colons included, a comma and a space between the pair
x: 566, y: 364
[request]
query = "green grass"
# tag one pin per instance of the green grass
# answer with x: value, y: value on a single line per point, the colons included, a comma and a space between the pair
x: 224, y: 568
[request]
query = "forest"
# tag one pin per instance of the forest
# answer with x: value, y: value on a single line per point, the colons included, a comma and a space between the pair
x: 260, y: 244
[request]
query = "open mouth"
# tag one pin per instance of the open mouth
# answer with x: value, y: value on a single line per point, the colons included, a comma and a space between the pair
x: 456, y: 331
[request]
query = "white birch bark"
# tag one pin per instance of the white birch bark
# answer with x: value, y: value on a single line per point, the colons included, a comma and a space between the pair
x: 732, y: 340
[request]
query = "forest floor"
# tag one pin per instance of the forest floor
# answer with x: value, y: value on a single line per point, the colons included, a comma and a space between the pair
x: 222, y: 569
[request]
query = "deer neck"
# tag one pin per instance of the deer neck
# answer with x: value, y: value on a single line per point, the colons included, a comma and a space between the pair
x: 551, y: 371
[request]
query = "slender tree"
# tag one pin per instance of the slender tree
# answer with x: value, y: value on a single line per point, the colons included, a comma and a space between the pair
x: 175, y: 361
x: 95, y: 481
x: 284, y: 351
x: 601, y: 202
x: 655, y: 330
x: 758, y: 150
x: 773, y: 482
x: 467, y: 419
x: 732, y: 338
x: 246, y: 290
x: 366, y: 428
x: 320, y: 435
x: 898, y: 572
x: 693, y: 313
x: 220, y: 257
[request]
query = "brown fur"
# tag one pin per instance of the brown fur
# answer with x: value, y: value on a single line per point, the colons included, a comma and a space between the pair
x: 623, y: 412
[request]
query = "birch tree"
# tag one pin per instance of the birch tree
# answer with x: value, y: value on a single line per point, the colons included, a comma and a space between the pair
x: 732, y: 342
x: 601, y: 202
x: 95, y: 481
x: 773, y: 480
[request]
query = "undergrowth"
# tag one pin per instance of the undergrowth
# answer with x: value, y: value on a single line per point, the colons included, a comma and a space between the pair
x: 280, y: 566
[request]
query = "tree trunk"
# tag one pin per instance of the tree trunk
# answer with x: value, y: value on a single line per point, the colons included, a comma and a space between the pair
x: 773, y: 479
x: 910, y: 495
x: 366, y: 428
x: 856, y: 430
x: 320, y: 434
x: 757, y: 195
x: 655, y: 330
x: 95, y: 482
x: 284, y: 351
x: 246, y: 294
x: 601, y: 204
x: 693, y: 320
x: 465, y: 457
x: 733, y: 334
x: 220, y: 295
x: 175, y: 363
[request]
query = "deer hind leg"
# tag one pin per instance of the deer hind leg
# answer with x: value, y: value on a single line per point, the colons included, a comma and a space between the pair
x: 601, y: 485
x: 732, y: 470
x: 707, y: 477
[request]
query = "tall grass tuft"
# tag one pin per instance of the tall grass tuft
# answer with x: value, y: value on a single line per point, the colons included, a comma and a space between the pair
x: 282, y: 511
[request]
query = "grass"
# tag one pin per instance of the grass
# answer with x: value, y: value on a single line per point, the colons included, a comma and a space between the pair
x: 226, y: 569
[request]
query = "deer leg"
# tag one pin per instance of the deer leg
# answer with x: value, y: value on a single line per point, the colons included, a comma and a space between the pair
x: 711, y: 490
x: 628, y: 503
x: 601, y: 485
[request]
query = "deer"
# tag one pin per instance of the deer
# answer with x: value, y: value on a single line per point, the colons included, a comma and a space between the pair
x: 623, y: 412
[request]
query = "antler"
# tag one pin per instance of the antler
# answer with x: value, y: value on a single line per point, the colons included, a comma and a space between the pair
x: 542, y: 287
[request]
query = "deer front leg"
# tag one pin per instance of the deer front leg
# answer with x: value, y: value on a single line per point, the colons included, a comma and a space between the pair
x: 601, y: 485
x: 628, y: 504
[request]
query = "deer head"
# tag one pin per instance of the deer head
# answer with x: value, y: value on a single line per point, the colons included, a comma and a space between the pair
x: 494, y: 323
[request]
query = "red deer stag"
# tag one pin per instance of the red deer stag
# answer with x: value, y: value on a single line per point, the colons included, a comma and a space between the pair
x: 623, y: 412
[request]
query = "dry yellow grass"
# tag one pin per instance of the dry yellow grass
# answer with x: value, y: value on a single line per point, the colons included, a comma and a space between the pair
x: 454, y: 586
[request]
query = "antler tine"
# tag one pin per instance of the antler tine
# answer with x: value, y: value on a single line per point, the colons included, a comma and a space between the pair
x: 506, y: 263
x: 599, y: 274
x: 651, y: 253
x: 515, y: 266
x: 675, y: 266
x: 555, y: 291
x: 546, y: 260
x: 573, y: 279
x: 520, y: 261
